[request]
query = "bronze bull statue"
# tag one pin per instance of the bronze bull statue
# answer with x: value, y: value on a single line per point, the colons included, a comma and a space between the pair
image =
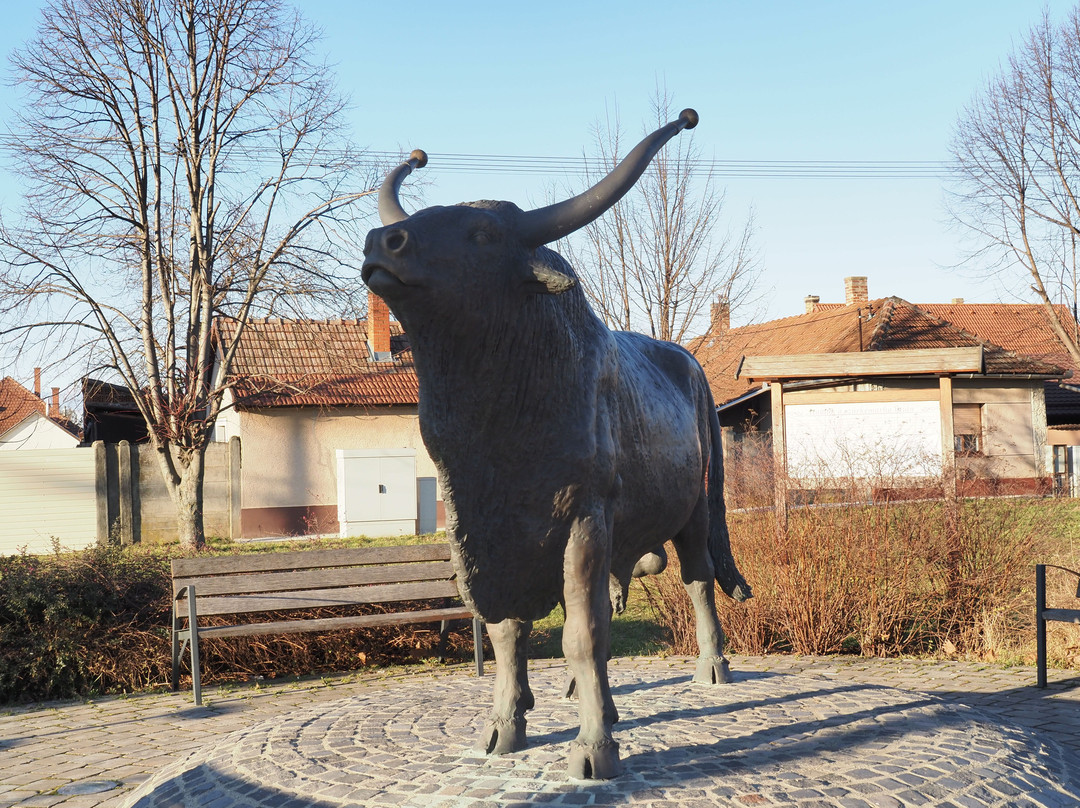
x: 568, y: 454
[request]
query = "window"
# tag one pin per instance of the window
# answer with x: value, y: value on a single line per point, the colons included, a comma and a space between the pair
x: 967, y: 429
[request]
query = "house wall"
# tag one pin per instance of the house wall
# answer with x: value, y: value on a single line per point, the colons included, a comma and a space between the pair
x: 1014, y: 427
x: 37, y: 432
x: 290, y: 466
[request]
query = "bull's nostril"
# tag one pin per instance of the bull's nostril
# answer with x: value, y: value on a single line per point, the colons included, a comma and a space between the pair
x: 395, y: 240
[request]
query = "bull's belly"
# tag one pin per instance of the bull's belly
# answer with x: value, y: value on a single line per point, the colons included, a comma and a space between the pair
x: 510, y: 579
x: 639, y: 530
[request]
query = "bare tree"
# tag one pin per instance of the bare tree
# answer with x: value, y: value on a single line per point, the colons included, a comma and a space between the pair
x: 185, y: 160
x: 658, y: 258
x: 1017, y: 162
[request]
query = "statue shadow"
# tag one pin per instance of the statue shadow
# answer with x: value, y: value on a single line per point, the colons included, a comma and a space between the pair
x: 675, y: 767
x: 686, y: 678
x: 206, y: 785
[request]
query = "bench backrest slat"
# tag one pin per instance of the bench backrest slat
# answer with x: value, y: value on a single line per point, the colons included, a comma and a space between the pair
x: 308, y: 559
x: 316, y: 578
x: 314, y: 598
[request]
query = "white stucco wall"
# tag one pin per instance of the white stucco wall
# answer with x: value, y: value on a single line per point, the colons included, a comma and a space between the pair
x: 289, y: 453
x: 37, y: 432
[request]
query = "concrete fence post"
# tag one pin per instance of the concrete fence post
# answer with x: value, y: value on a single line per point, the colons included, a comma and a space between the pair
x: 127, y: 510
x: 234, y: 487
x: 101, y: 491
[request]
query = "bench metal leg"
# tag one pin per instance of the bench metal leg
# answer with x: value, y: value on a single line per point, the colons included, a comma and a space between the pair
x: 478, y: 645
x: 193, y: 624
x: 444, y: 632
x: 176, y: 651
x: 1040, y: 624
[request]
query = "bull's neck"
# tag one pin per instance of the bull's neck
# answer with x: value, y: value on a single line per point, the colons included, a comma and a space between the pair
x: 495, y: 371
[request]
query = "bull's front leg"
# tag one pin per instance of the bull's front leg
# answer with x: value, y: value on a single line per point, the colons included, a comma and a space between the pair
x: 594, y: 755
x: 505, y: 730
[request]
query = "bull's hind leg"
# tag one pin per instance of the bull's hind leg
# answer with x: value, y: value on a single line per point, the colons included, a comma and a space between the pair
x: 594, y: 755
x: 505, y: 730
x: 692, y: 546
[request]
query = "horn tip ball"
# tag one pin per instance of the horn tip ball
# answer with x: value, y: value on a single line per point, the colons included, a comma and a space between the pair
x: 690, y: 116
x: 420, y: 156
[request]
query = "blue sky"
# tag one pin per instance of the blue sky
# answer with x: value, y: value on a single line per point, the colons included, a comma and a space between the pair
x: 771, y: 80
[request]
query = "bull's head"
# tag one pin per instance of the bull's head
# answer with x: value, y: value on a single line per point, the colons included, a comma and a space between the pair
x: 494, y: 243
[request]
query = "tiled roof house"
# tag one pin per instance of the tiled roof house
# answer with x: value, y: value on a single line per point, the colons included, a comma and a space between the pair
x: 304, y: 391
x: 25, y: 422
x: 885, y: 371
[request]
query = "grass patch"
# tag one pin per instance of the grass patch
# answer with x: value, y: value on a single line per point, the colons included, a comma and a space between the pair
x: 635, y: 632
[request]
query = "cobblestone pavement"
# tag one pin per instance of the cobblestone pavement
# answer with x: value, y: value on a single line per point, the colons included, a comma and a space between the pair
x: 795, y: 731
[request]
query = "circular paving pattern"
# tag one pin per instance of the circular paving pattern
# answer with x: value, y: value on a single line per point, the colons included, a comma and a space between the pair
x: 767, y: 739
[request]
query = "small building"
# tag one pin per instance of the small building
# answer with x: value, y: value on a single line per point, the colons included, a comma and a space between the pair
x: 883, y: 389
x: 327, y: 415
x: 26, y: 423
x: 110, y: 414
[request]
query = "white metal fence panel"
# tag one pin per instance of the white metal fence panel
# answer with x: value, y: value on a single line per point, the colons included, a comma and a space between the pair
x: 46, y: 493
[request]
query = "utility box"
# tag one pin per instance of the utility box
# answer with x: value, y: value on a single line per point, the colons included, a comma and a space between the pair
x: 377, y: 493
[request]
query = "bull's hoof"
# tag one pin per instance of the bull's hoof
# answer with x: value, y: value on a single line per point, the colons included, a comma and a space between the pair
x: 502, y: 736
x: 712, y: 670
x: 593, y: 762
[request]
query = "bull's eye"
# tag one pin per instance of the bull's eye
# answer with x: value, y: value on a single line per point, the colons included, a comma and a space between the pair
x: 481, y: 237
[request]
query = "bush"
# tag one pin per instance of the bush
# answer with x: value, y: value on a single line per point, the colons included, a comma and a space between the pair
x: 97, y: 621
x: 76, y: 623
x: 881, y: 579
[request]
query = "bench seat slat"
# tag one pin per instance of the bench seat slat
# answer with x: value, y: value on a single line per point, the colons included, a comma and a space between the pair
x: 1062, y: 615
x: 308, y: 559
x: 316, y: 579
x: 333, y: 623
x: 315, y: 598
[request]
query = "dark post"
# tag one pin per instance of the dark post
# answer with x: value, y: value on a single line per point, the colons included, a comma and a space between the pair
x: 1040, y: 624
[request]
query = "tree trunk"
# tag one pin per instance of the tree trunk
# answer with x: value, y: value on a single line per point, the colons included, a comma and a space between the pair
x: 184, y: 482
x: 189, y: 502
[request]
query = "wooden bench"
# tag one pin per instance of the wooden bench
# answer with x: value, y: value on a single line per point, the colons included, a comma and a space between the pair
x: 244, y: 585
x: 1042, y: 614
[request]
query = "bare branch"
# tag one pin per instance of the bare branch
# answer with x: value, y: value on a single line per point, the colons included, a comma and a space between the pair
x: 185, y: 159
x: 661, y: 256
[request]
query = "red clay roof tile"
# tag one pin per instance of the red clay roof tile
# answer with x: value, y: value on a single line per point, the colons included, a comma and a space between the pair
x: 293, y: 363
x: 16, y: 404
x: 880, y: 325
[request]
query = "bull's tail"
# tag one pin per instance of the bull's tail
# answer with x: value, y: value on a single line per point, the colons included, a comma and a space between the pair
x: 727, y: 574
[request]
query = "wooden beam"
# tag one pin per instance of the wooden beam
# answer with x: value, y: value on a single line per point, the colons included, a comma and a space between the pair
x: 865, y: 363
x: 779, y: 442
x: 948, y: 448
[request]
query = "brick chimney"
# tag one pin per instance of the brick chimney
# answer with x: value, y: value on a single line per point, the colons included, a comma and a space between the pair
x: 956, y: 301
x: 720, y: 315
x: 811, y: 302
x: 378, y: 328
x: 37, y: 382
x: 856, y: 290
x: 54, y: 406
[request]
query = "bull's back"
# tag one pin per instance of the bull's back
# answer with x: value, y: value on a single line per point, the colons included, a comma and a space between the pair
x: 663, y: 440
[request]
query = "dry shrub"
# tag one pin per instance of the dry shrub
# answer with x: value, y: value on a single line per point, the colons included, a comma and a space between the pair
x: 879, y: 578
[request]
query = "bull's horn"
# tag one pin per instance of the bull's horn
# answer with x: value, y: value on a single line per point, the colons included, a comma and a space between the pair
x: 544, y: 225
x: 390, y: 210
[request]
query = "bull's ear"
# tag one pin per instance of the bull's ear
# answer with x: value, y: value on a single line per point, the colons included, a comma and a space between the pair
x: 548, y: 280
